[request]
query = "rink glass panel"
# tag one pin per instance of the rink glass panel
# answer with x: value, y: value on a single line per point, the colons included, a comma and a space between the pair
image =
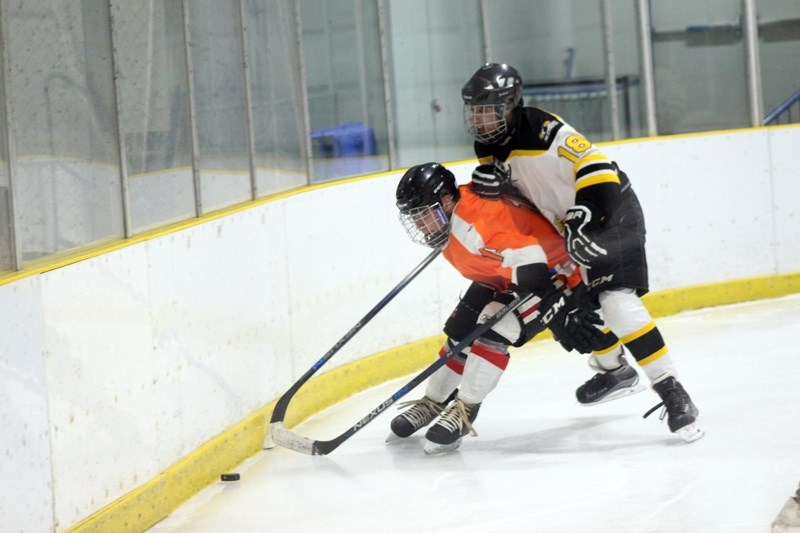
x: 154, y: 111
x: 436, y: 46
x: 699, y: 62
x: 220, y: 110
x: 779, y: 52
x: 67, y: 177
x: 344, y: 83
x: 68, y: 187
x: 276, y: 96
x: 6, y: 223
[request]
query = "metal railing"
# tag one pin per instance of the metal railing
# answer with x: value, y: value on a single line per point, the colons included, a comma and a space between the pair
x: 785, y: 109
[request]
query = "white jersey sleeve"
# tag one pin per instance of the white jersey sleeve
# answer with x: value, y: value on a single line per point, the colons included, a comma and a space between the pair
x: 550, y: 162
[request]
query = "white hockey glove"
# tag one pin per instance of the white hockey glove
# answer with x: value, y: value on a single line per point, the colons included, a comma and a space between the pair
x: 579, y: 226
x: 490, y: 182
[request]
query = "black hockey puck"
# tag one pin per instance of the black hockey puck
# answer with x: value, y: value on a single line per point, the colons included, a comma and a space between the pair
x: 230, y: 477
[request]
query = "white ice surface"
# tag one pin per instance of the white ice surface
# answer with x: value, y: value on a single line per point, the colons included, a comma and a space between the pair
x: 542, y: 462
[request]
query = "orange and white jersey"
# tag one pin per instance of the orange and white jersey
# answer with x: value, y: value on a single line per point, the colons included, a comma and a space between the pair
x: 491, y: 239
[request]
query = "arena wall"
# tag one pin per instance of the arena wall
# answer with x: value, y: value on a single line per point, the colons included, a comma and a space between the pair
x: 123, y: 370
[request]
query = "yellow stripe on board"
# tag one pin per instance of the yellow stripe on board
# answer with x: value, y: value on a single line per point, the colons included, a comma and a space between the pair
x: 55, y: 261
x: 146, y: 505
x: 153, y: 501
x: 52, y: 262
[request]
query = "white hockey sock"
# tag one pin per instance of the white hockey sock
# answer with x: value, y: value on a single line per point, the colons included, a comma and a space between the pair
x: 660, y: 369
x: 442, y: 383
x: 630, y: 320
x: 482, y: 371
x: 607, y: 359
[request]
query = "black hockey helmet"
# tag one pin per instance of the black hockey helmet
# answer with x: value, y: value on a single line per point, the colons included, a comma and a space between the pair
x: 491, y: 99
x: 420, y: 196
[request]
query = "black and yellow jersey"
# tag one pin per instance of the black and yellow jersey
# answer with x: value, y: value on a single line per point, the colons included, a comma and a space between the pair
x: 556, y: 167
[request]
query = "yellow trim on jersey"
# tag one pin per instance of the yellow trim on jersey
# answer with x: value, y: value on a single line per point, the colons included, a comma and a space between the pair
x: 485, y: 160
x: 594, y: 180
x: 652, y: 357
x: 591, y: 158
x: 638, y: 333
x: 525, y: 153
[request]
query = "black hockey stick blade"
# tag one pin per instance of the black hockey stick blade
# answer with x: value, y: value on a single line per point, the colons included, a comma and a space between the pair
x: 279, y: 413
x: 293, y: 441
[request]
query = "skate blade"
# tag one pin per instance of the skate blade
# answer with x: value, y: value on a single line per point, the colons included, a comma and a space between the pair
x: 432, y: 448
x: 691, y: 433
x: 616, y: 395
x: 393, y: 438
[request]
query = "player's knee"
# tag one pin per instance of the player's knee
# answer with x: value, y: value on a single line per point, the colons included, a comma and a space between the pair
x: 507, y: 330
x: 456, y: 362
x: 623, y: 310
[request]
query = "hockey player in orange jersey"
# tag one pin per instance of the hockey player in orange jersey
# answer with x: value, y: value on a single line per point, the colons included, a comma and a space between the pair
x: 502, y: 247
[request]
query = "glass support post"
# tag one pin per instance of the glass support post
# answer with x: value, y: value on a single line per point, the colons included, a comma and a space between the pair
x: 611, y: 71
x: 16, y: 249
x: 646, y: 50
x: 754, y: 89
x: 487, y: 41
x: 248, y: 102
x: 358, y: 9
x: 187, y: 43
x: 301, y: 66
x: 387, y: 89
x: 123, y: 159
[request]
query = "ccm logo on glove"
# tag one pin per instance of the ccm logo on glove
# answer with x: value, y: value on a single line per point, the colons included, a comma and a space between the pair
x: 556, y: 306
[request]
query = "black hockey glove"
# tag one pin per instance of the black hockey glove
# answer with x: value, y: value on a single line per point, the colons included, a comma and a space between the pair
x: 573, y: 327
x: 579, y: 227
x: 490, y: 182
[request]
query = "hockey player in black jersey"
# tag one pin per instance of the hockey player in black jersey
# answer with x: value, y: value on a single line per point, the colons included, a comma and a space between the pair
x: 530, y: 152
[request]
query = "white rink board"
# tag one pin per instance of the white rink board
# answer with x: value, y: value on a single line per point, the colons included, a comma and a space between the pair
x: 100, y: 379
x: 151, y: 350
x: 783, y: 145
x: 26, y: 496
x: 708, y: 206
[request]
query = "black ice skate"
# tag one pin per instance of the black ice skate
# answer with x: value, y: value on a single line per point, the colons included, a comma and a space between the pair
x: 455, y: 422
x: 679, y: 409
x: 420, y: 413
x: 609, y: 385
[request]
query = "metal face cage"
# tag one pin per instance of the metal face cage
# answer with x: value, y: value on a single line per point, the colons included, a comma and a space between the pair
x: 427, y: 225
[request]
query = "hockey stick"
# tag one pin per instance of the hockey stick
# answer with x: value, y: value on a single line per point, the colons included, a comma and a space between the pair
x: 279, y: 413
x: 299, y: 443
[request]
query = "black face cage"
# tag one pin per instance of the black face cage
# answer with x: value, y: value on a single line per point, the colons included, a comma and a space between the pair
x: 486, y: 123
x: 427, y: 225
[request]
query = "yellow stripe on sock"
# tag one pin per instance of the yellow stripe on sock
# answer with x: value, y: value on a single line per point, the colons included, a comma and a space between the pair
x: 607, y: 350
x: 652, y: 357
x: 638, y: 333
